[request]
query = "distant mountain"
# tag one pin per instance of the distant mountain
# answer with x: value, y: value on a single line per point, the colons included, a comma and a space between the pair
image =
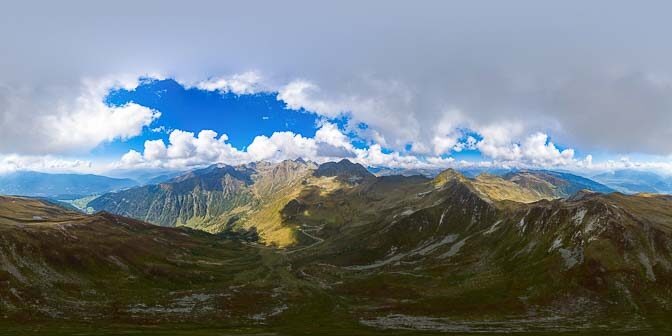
x: 59, y: 186
x: 256, y: 195
x: 161, y: 178
x: 635, y: 181
x: 147, y: 176
x: 556, y: 184
x: 475, y: 171
x: 385, y: 171
x: 470, y: 172
x: 344, y: 170
x: 222, y: 197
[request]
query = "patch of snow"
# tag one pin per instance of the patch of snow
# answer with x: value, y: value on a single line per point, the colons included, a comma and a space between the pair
x: 455, y: 249
x: 377, y: 264
x: 556, y: 244
x: 527, y: 249
x: 517, y: 324
x: 493, y: 227
x: 522, y: 225
x: 579, y: 215
x: 429, y: 248
x: 423, y: 194
x: 443, y: 214
x: 422, y: 250
x: 276, y: 311
x: 8, y: 267
x: 644, y: 260
x: 118, y: 262
x: 571, y: 257
x: 158, y: 309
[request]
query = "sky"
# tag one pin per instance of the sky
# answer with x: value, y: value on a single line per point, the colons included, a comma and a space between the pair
x: 103, y: 87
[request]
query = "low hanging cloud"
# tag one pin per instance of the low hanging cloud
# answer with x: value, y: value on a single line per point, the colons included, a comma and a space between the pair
x: 45, y: 163
x: 188, y: 150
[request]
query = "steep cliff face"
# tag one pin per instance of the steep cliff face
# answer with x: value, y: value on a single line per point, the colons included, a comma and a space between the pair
x: 218, y: 198
x: 186, y: 199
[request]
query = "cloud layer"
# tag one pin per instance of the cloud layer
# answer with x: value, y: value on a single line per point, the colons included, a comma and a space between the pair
x: 419, y: 75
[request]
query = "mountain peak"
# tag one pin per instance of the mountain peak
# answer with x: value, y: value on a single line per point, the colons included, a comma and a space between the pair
x: 448, y: 175
x: 582, y: 194
x: 344, y: 170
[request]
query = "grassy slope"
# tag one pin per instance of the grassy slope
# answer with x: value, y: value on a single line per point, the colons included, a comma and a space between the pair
x: 435, y: 255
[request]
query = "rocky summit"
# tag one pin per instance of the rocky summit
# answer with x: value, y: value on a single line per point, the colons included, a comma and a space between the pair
x: 295, y: 247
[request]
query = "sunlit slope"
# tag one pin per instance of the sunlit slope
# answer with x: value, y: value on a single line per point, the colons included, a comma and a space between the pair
x: 453, y: 252
x: 62, y: 265
x: 217, y: 198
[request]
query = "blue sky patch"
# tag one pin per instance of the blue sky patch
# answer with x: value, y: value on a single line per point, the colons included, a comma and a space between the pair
x: 241, y: 117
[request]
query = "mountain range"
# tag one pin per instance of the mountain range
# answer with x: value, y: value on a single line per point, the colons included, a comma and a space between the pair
x: 223, y: 197
x: 341, y: 251
x: 634, y: 181
x: 59, y: 186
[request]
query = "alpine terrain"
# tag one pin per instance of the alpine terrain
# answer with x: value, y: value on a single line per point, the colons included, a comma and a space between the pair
x: 296, y: 247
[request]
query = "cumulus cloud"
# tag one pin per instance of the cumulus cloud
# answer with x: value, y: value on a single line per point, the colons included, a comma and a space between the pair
x: 384, y: 105
x: 184, y: 150
x: 244, y: 83
x: 535, y: 150
x: 67, y: 120
x: 282, y: 145
x: 187, y: 150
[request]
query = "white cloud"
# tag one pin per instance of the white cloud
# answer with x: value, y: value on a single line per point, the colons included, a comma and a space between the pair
x: 329, y: 133
x: 69, y: 119
x: 535, y: 150
x: 381, y: 104
x: 538, y: 150
x: 132, y: 158
x: 282, y: 145
x: 302, y: 94
x: 468, y: 144
x: 244, y: 83
x: 581, y: 84
x: 186, y: 150
x: 14, y: 162
x: 374, y: 156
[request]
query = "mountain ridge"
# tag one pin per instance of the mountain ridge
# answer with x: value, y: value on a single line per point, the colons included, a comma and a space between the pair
x: 59, y: 186
x: 222, y: 197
